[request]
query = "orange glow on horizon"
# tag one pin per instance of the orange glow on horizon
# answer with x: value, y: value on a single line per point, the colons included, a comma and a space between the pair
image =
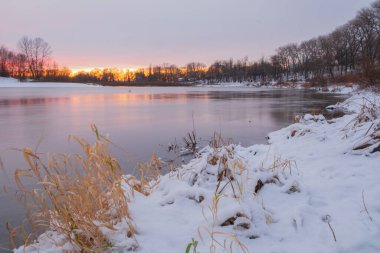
x: 133, y: 69
x: 76, y: 70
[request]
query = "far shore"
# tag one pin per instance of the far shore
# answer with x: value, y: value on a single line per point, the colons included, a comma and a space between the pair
x: 323, y: 86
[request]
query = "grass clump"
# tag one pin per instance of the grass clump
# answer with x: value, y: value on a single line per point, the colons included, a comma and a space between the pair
x: 79, y: 195
x: 230, y: 179
x: 368, y: 115
x: 368, y: 112
x: 191, y: 142
x: 220, y: 240
x: 147, y: 178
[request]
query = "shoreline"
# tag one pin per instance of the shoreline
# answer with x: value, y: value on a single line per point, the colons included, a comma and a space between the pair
x: 342, y: 88
x: 303, y: 191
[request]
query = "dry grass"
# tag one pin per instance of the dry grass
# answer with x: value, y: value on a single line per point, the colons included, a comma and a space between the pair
x: 191, y: 142
x: 279, y: 164
x: 371, y: 142
x: 219, y: 239
x: 230, y: 169
x: 368, y: 113
x: 217, y: 141
x: 148, y: 176
x: 78, y: 194
x: 348, y: 79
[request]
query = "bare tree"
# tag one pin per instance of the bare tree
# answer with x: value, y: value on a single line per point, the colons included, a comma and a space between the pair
x: 4, y: 54
x: 37, y: 52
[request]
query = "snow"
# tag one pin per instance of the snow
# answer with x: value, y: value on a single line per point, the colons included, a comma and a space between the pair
x: 14, y: 83
x: 239, y: 84
x: 331, y: 88
x: 231, y: 84
x: 294, y: 194
x: 338, y: 89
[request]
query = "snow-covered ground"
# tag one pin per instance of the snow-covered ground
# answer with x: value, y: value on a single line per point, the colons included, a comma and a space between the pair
x: 14, y: 83
x: 236, y: 84
x: 230, y: 84
x: 314, y: 188
x: 332, y: 88
x: 339, y: 89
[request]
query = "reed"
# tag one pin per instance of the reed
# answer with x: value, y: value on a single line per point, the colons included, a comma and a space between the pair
x: 78, y: 195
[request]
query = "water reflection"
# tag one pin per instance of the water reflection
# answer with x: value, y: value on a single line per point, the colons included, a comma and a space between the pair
x: 29, y: 101
x: 141, y: 119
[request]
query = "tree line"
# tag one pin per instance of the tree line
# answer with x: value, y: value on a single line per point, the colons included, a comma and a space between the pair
x: 351, y: 52
x: 31, y: 59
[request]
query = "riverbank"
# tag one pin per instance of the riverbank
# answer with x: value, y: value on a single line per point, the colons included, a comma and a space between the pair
x: 8, y: 82
x: 342, y: 88
x: 313, y: 188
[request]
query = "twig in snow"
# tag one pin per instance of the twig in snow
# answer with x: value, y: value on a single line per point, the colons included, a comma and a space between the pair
x: 365, y: 207
x: 327, y: 219
x: 369, y: 129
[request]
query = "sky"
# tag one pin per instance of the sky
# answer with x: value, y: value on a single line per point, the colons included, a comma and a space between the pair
x: 128, y: 34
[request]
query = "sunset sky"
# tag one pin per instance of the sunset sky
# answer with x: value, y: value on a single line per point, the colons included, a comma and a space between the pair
x: 124, y: 33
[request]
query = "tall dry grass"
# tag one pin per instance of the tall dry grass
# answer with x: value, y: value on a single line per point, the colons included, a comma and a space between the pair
x: 78, y: 195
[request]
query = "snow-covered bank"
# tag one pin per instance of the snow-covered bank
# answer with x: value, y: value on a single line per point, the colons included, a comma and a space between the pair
x: 14, y: 83
x: 238, y: 84
x: 331, y: 88
x: 339, y: 89
x: 230, y: 84
x: 314, y: 188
